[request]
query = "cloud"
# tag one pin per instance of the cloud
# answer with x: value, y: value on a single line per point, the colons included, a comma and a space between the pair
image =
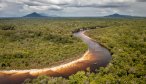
x: 2, y: 5
x: 41, y: 8
x: 109, y: 5
x: 71, y: 7
x: 74, y: 3
x: 34, y: 3
x: 141, y: 0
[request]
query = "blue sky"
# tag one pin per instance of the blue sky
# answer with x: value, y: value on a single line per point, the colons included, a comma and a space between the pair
x: 17, y: 8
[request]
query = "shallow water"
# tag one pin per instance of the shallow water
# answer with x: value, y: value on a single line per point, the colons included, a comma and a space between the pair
x: 96, y: 56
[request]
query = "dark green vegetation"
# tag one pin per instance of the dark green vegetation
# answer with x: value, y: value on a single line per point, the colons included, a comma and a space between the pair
x: 126, y: 40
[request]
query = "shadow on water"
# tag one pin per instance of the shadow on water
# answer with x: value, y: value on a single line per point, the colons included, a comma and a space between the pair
x: 95, y: 57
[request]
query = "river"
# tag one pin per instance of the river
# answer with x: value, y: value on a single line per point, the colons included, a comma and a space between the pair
x: 95, y: 57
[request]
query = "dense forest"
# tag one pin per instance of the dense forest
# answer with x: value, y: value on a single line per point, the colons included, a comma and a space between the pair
x: 126, y: 40
x: 25, y: 39
x: 30, y: 43
x: 37, y: 43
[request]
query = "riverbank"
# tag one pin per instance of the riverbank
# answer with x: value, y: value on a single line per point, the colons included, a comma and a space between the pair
x: 95, y: 57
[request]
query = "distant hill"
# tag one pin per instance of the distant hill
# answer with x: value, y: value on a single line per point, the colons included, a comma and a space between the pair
x: 118, y: 16
x: 35, y: 15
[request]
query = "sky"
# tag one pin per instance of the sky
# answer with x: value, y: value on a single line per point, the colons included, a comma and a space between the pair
x: 72, y: 8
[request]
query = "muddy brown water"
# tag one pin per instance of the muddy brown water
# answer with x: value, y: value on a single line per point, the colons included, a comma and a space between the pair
x: 95, y: 57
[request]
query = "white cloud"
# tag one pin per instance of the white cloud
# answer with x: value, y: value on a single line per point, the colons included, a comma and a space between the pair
x: 2, y: 6
x: 41, y: 8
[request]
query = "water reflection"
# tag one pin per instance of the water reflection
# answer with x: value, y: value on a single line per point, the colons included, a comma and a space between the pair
x: 95, y: 57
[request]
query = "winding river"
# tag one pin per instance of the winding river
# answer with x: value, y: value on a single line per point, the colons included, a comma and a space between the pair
x: 96, y: 56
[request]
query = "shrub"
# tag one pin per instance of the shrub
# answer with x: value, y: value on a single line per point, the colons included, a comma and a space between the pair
x: 7, y: 27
